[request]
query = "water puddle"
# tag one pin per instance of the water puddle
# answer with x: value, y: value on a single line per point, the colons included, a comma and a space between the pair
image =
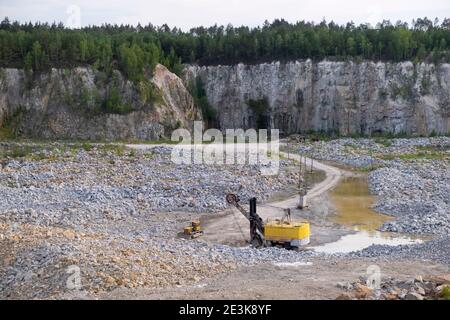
x: 352, y: 201
x: 362, y: 240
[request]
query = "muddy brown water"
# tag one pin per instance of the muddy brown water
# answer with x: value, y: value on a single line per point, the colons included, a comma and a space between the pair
x: 353, y: 202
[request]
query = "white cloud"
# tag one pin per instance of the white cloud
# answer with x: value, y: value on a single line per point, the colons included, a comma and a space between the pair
x: 189, y: 13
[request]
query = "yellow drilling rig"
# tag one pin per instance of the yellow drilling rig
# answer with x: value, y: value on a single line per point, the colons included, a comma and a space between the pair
x: 280, y: 232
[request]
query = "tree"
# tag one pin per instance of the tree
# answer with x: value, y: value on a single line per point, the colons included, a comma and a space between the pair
x: 37, y: 56
x: 351, y: 47
x: 134, y: 50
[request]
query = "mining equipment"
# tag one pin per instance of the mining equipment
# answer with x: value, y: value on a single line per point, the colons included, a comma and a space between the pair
x: 194, y: 230
x: 280, y: 232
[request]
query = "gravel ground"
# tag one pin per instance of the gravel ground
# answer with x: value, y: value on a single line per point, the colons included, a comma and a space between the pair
x: 435, y: 250
x: 43, y: 257
x: 417, y: 193
x: 410, y: 177
x: 81, y: 188
x: 370, y: 153
x: 114, y: 214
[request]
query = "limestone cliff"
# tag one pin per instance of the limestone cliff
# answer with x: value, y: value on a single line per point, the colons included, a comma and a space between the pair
x: 344, y: 97
x: 73, y: 104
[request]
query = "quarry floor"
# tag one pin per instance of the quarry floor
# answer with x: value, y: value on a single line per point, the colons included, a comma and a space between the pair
x: 317, y: 278
x: 116, y: 212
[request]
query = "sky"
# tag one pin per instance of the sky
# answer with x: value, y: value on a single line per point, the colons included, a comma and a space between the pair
x: 186, y: 14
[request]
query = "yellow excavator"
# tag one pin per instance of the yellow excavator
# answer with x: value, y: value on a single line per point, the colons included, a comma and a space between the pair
x: 194, y: 230
x: 280, y: 232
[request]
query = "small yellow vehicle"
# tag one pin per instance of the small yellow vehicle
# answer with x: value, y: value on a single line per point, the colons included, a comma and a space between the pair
x: 279, y: 232
x: 194, y: 230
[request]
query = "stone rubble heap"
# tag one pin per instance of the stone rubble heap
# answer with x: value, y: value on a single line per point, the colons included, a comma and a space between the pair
x: 419, y: 288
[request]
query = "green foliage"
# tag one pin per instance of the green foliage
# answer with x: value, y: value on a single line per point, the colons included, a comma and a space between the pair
x: 113, y: 103
x: 406, y: 90
x: 425, y: 85
x: 149, y: 93
x: 106, y: 148
x: 69, y: 99
x: 16, y: 151
x: 132, y: 153
x: 321, y: 135
x: 132, y: 61
x: 86, y: 146
x: 432, y: 155
x: 7, y: 128
x: 382, y: 93
x: 85, y: 96
x: 445, y: 293
x: 383, y: 141
x: 6, y: 132
x: 66, y: 72
x: 2, y: 74
x: 131, y: 49
x: 198, y: 92
x: 173, y: 62
x: 260, y: 108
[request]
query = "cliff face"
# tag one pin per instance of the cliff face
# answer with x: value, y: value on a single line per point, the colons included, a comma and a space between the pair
x: 71, y: 104
x: 344, y: 97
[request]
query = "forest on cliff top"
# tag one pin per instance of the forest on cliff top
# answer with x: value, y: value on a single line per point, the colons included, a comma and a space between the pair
x: 133, y: 49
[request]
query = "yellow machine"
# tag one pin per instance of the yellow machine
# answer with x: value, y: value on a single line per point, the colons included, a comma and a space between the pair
x: 194, y: 230
x: 289, y: 234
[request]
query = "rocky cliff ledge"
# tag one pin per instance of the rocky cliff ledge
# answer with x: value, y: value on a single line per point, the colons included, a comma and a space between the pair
x: 343, y: 97
x: 83, y: 103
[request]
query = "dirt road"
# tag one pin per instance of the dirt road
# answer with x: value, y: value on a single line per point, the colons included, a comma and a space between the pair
x: 231, y: 227
x: 333, y: 175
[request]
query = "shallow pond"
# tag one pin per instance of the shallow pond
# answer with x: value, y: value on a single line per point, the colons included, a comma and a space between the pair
x: 353, y: 202
x: 364, y: 239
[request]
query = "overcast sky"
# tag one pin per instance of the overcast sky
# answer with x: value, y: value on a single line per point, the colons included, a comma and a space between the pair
x: 190, y: 13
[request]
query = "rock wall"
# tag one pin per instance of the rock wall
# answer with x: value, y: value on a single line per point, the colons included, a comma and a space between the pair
x: 67, y: 104
x: 344, y: 97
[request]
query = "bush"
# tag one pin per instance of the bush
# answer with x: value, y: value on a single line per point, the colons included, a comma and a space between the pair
x: 198, y: 93
x: 406, y: 91
x: 113, y: 103
x: 445, y: 293
x: 425, y: 85
x: 260, y: 108
x: 149, y: 94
